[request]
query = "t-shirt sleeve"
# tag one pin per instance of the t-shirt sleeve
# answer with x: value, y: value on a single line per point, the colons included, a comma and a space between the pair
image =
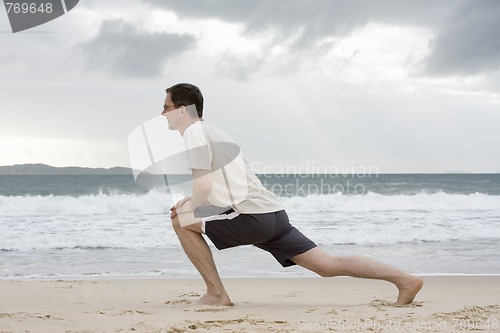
x: 197, y: 149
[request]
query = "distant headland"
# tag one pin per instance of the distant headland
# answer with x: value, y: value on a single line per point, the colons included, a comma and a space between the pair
x: 44, y: 169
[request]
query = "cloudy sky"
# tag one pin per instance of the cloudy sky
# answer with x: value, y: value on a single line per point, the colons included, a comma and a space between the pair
x: 400, y: 86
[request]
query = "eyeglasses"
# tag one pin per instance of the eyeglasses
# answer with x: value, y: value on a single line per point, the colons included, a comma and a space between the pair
x: 165, y: 107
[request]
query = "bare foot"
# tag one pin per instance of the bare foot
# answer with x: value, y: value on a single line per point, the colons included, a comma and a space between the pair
x: 409, y: 289
x: 209, y: 299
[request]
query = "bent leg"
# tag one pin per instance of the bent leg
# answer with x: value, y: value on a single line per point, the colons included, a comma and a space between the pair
x: 197, y: 250
x: 326, y: 264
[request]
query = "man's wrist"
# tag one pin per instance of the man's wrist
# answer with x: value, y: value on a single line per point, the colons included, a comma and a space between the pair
x: 185, y: 208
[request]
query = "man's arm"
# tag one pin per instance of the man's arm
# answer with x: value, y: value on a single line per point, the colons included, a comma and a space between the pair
x: 202, y: 184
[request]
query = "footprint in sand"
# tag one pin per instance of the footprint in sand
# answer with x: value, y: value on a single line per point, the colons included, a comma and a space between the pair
x: 17, y: 315
x: 191, y: 294
x: 210, y: 310
x: 178, y: 301
x: 332, y: 312
x: 118, y: 312
x: 470, y: 313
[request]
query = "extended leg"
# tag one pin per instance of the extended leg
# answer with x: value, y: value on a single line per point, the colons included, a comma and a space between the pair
x: 199, y: 253
x: 326, y: 264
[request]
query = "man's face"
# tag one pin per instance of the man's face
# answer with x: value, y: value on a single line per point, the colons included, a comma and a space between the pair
x: 171, y: 112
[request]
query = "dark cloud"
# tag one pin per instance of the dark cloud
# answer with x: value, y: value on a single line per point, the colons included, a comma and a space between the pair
x: 316, y: 18
x: 226, y: 10
x: 301, y: 24
x: 125, y: 50
x: 466, y: 31
x: 468, y: 43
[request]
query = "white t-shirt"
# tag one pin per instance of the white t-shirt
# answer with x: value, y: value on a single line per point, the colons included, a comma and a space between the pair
x: 234, y: 185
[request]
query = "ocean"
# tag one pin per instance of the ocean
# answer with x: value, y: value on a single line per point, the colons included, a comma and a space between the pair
x: 105, y: 226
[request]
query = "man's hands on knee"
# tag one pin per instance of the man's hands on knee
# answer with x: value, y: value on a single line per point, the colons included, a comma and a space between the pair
x: 183, y: 212
x: 175, y: 208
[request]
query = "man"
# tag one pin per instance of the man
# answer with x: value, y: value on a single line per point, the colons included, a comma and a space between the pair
x: 236, y: 209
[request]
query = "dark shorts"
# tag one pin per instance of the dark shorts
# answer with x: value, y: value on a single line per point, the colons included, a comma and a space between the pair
x: 271, y: 232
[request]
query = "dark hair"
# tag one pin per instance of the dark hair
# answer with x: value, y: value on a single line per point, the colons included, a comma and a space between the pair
x: 187, y: 94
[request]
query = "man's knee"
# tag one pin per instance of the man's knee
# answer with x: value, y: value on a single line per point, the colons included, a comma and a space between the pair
x: 331, y: 266
x: 176, y: 225
x: 320, y: 262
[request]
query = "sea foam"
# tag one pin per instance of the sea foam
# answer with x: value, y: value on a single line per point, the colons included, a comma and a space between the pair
x: 155, y: 202
x: 141, y: 221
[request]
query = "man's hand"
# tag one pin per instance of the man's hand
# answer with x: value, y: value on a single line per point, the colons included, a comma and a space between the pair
x: 177, y: 206
x: 173, y: 213
x: 184, y: 211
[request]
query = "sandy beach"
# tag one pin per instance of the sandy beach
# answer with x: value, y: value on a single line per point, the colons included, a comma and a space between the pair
x: 445, y: 304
